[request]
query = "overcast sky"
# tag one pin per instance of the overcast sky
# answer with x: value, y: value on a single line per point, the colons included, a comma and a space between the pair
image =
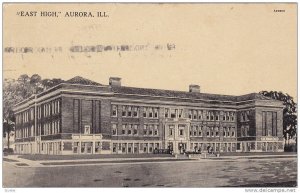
x: 230, y: 49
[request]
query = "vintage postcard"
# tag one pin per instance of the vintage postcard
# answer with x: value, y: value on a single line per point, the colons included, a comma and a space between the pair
x: 200, y: 95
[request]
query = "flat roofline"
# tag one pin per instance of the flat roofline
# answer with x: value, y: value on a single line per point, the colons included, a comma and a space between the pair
x: 54, y: 88
x: 231, y: 98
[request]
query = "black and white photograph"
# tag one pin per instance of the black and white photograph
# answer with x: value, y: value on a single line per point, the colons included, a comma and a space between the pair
x: 149, y: 95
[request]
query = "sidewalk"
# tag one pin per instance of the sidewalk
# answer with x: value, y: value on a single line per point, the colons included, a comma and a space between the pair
x: 21, y: 161
x: 17, y: 161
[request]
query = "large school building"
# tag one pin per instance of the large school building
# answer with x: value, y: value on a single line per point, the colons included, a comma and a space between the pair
x: 80, y: 116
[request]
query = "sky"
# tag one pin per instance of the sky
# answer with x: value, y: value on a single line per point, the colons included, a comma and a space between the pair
x: 231, y: 49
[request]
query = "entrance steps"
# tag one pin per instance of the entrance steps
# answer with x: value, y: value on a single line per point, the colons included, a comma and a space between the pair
x: 181, y: 156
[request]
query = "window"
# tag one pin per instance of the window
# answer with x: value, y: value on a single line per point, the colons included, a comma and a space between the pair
x: 114, y: 111
x: 150, y: 129
x: 150, y: 112
x: 264, y: 123
x: 123, y: 129
x: 55, y: 127
x: 49, y: 109
x: 130, y: 130
x: 115, y: 147
x: 31, y: 114
x: 274, y: 123
x: 200, y: 131
x: 242, y: 131
x: 58, y: 126
x: 232, y: 116
x: 87, y: 129
x: 129, y: 113
x: 150, y: 147
x: 200, y: 115
x: 155, y: 113
x: 155, y: 130
x: 129, y: 147
x: 145, y: 129
x: 217, y: 131
x: 190, y: 114
x: 232, y: 133
x: 144, y: 112
x: 181, y: 132
x: 195, y: 130
x: 173, y: 113
x: 243, y: 117
x: 52, y: 107
x: 124, y: 147
x: 180, y: 115
x: 247, y: 130
x: 156, y: 145
x: 150, y: 132
x: 181, y: 129
x: 171, y: 128
x: 123, y: 111
x: 135, y: 112
x: 224, y: 118
x: 114, y: 129
x: 194, y: 114
x: 58, y: 106
x: 55, y: 106
x: 217, y: 117
x: 212, y: 117
x: 208, y: 134
x: 238, y: 146
x: 166, y: 113
x: 135, y: 127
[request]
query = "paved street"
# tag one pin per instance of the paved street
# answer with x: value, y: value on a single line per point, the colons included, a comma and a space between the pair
x: 207, y: 173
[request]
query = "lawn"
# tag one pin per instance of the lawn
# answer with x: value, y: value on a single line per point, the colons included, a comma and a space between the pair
x: 91, y: 156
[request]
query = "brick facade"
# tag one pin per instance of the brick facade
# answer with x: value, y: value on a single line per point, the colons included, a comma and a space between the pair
x: 81, y: 116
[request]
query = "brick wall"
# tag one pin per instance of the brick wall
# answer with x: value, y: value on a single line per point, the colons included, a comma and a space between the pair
x: 69, y: 109
x: 78, y: 112
x: 105, y: 118
x: 259, y: 119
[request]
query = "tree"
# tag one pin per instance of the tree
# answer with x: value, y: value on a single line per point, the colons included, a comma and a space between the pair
x: 48, y: 83
x: 289, y: 113
x: 36, y: 84
x: 8, y: 127
x: 14, y: 91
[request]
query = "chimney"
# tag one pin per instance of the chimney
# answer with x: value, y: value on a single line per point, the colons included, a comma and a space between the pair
x: 194, y: 88
x: 115, y: 81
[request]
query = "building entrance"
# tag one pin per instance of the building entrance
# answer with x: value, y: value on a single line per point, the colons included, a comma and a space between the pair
x: 86, y: 147
x: 182, y: 148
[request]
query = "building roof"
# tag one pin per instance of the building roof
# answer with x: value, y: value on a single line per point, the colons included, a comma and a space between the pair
x: 83, y: 81
x: 182, y: 94
x: 157, y: 92
x: 169, y: 93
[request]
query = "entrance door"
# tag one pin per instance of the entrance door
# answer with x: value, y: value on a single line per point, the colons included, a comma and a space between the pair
x: 181, y: 147
x: 246, y: 147
x: 170, y: 146
x: 86, y: 147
